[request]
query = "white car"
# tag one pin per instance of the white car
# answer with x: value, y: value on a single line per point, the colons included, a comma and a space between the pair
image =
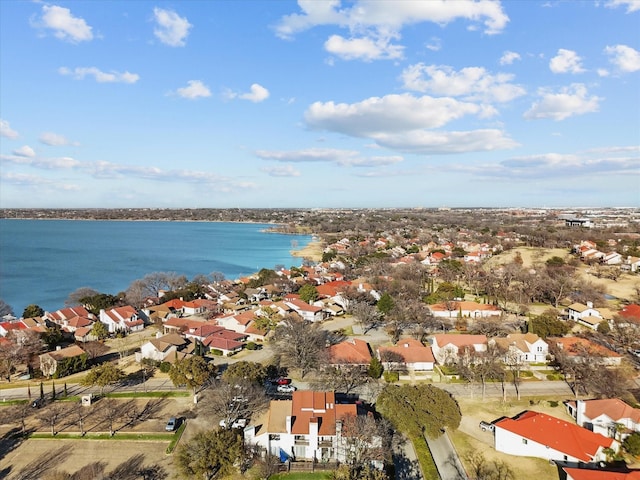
x: 286, y: 388
x: 239, y: 423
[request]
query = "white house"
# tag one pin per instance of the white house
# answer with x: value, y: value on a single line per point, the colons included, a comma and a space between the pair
x: 162, y: 348
x: 464, y: 309
x: 526, y: 347
x: 446, y: 347
x: 307, y: 427
x: 310, y: 313
x: 408, y: 354
x: 122, y: 318
x: 533, y: 434
x: 609, y: 416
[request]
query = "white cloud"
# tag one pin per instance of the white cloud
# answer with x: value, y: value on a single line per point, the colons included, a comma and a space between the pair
x: 24, y: 180
x: 389, y: 113
x: 566, y: 61
x: 194, y: 89
x: 435, y: 44
x: 439, y: 143
x: 570, y: 101
x: 509, y: 57
x: 632, y: 5
x: 627, y: 59
x: 55, y: 140
x: 363, y: 48
x: 472, y: 83
x: 6, y: 130
x: 603, y: 72
x: 312, y: 155
x: 345, y: 158
x: 101, y: 77
x: 257, y: 94
x: 64, y: 25
x: 171, y: 29
x: 281, y: 171
x: 25, y: 151
x: 390, y: 15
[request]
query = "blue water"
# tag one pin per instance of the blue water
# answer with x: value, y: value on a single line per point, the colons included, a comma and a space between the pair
x: 42, y: 261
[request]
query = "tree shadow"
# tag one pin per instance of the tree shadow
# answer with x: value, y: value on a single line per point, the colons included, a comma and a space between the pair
x: 405, y: 468
x: 45, y: 463
x: 10, y: 441
x: 90, y: 472
x: 454, y: 461
x: 134, y: 468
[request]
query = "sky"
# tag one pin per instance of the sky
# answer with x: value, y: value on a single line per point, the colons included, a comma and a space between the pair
x: 319, y: 104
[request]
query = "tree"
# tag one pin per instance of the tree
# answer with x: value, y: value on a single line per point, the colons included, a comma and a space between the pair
x: 5, y: 308
x: 301, y: 344
x: 364, y: 440
x: 419, y: 409
x: 32, y: 311
x: 244, y: 371
x: 192, y: 371
x: 75, y: 296
x: 375, y: 368
x: 364, y: 314
x: 385, y: 304
x: 343, y: 379
x: 631, y: 444
x: 52, y: 414
x: 103, y: 375
x: 547, y: 324
x: 308, y: 293
x: 8, y: 359
x: 100, y: 301
x: 52, y: 336
x: 209, y: 454
x: 152, y: 284
x: 483, y: 469
x: 233, y: 401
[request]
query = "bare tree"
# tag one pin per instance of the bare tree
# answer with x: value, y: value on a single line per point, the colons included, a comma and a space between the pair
x: 301, y: 344
x: 52, y: 414
x: 5, y: 308
x: 343, y: 378
x: 78, y: 294
x: 364, y: 440
x: 233, y: 401
x: 365, y: 314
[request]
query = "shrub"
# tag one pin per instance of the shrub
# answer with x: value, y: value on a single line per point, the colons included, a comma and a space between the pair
x: 165, y: 367
x: 391, y: 377
x: 553, y: 403
x: 215, y: 351
x: 252, y: 346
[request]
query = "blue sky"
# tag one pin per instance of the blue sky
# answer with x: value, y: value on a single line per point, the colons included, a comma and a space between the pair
x: 319, y: 103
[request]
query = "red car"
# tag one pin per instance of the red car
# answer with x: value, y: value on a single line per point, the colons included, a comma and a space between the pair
x: 283, y: 381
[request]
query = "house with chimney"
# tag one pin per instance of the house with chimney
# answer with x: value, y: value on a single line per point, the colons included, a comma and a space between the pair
x: 408, y: 354
x: 312, y: 426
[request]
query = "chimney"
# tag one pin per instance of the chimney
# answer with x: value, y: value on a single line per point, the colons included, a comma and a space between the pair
x: 58, y: 348
x: 589, y: 304
x: 289, y: 423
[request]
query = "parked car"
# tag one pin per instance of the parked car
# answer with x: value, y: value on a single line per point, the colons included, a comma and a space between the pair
x: 283, y: 381
x: 286, y: 388
x: 239, y: 423
x: 486, y: 426
x: 37, y: 403
x: 171, y: 424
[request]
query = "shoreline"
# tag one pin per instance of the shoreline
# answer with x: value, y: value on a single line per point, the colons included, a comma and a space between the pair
x: 313, y: 250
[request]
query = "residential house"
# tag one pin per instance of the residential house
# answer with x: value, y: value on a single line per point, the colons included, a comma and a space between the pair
x: 587, y: 315
x: 585, y: 350
x: 124, y: 319
x: 599, y: 473
x: 534, y: 434
x: 6, y: 327
x: 84, y: 335
x: 164, y: 348
x: 310, y: 426
x: 408, y: 354
x: 310, y: 313
x: 351, y: 352
x: 464, y: 309
x: 630, y: 264
x: 237, y: 323
x: 49, y: 361
x: 447, y: 347
x: 630, y: 313
x: 66, y: 313
x: 612, y: 258
x: 226, y: 346
x: 610, y: 416
x: 525, y: 347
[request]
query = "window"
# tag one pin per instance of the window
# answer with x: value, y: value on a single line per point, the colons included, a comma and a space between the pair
x: 524, y: 441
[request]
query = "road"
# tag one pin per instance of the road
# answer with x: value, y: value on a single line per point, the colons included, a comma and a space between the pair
x: 446, y: 458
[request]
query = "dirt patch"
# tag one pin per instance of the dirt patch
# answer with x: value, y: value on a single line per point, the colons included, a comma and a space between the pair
x: 108, y: 455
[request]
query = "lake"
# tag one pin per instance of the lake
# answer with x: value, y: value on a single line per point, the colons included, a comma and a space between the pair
x: 42, y: 261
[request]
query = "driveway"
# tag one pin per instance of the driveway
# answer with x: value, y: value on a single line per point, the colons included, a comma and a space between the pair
x: 446, y: 458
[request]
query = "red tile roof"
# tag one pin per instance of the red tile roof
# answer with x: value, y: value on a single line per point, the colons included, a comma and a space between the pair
x: 613, y: 408
x: 459, y: 341
x: 352, y: 351
x: 576, y: 346
x: 411, y: 351
x: 588, y: 474
x: 555, y: 433
x: 631, y: 312
x: 309, y: 406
